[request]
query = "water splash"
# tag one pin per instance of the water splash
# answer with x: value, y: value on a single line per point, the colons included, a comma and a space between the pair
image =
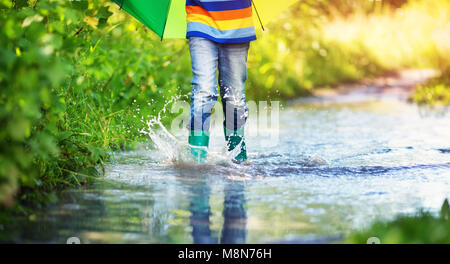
x: 172, y: 148
x: 177, y: 150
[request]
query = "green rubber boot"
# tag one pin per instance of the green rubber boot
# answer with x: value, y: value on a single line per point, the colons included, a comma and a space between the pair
x: 233, y: 139
x: 199, y: 141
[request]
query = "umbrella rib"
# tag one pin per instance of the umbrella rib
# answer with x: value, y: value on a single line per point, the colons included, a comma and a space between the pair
x: 257, y: 14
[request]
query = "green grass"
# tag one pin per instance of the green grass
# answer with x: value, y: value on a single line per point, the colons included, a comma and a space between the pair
x: 420, y: 228
x: 308, y: 47
x: 77, y: 84
x: 78, y: 78
x: 435, y: 92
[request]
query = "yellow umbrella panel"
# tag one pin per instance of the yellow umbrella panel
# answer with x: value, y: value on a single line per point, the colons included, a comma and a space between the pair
x: 266, y: 10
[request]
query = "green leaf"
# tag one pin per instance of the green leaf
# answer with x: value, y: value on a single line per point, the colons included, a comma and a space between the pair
x: 104, y: 12
x: 80, y: 5
x: 20, y: 3
x: 64, y: 135
x: 5, y: 4
x: 18, y: 129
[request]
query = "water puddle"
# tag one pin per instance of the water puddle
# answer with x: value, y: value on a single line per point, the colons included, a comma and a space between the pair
x: 338, y: 165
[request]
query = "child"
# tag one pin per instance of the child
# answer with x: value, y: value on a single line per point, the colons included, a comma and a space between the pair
x: 219, y: 34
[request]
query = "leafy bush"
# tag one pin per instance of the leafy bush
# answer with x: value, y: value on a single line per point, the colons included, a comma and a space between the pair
x: 73, y: 86
x: 322, y: 43
x: 436, y: 91
x: 422, y: 228
x: 414, y: 36
x: 78, y: 78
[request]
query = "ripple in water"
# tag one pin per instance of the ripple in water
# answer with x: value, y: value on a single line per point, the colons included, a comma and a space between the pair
x: 336, y: 168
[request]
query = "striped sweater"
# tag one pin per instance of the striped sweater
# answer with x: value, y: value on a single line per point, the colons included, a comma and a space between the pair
x: 222, y: 21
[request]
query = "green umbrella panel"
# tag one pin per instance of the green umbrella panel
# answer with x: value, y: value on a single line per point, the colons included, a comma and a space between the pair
x: 167, y: 18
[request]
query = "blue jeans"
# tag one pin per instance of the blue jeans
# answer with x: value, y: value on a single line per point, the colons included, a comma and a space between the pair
x: 231, y: 61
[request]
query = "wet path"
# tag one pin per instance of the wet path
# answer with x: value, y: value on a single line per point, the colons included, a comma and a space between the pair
x: 340, y: 161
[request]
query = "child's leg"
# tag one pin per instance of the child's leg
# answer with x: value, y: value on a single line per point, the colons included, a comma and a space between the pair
x: 204, y: 57
x: 232, y: 77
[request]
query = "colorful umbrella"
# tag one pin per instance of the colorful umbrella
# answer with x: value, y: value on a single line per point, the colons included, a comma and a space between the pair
x: 167, y: 18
